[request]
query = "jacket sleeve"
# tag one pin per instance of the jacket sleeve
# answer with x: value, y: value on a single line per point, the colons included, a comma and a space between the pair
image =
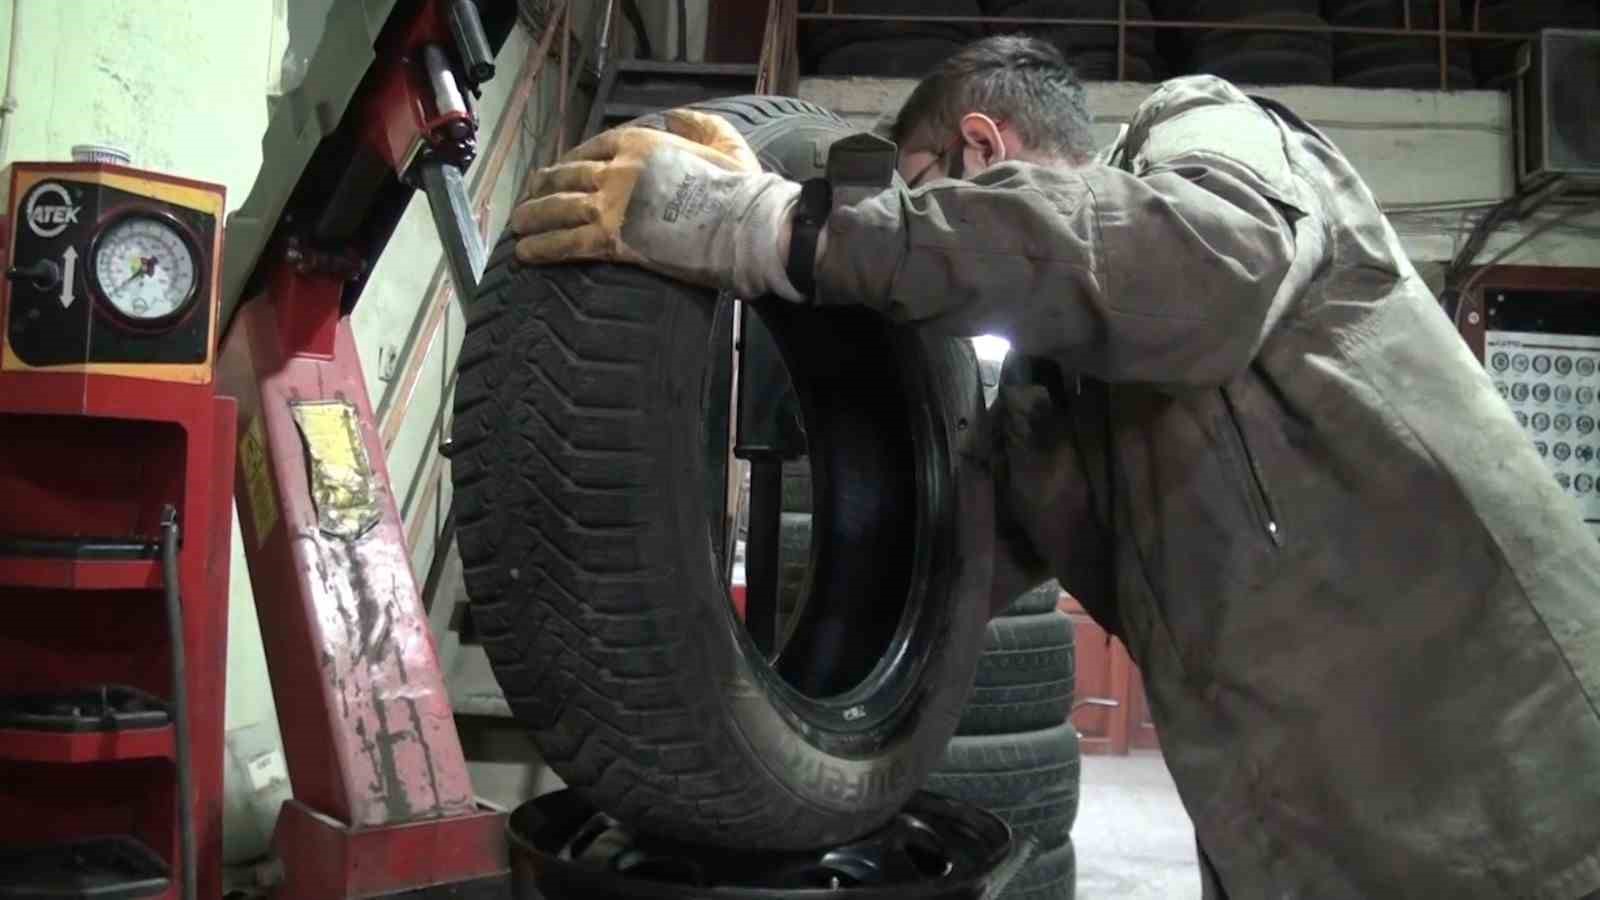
x: 1171, y: 276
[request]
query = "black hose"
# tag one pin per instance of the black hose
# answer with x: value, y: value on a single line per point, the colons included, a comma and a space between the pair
x: 187, y: 858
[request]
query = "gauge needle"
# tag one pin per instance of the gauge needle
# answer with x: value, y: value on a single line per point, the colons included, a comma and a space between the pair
x: 145, y: 265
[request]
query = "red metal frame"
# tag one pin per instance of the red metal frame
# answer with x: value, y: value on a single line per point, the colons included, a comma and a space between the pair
x: 100, y: 454
x: 383, y: 800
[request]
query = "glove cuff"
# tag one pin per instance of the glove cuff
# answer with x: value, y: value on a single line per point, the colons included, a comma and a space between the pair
x: 758, y: 268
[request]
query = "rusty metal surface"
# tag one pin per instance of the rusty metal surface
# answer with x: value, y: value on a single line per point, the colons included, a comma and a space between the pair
x: 365, y: 716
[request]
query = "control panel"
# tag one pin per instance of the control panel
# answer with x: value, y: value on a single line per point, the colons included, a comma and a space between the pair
x: 1543, y: 351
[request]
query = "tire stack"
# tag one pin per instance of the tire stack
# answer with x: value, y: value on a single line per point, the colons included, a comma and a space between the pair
x: 885, y: 49
x: 1015, y: 753
x: 1092, y: 50
x: 1375, y: 61
x: 1258, y: 57
x: 1496, y: 61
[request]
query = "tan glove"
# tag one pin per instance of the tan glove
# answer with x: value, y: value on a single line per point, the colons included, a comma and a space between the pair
x: 690, y: 202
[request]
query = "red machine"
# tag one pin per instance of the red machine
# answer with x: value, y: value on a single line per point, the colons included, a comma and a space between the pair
x: 110, y: 415
x: 116, y: 449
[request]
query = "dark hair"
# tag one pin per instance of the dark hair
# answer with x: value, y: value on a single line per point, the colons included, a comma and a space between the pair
x: 1021, y: 80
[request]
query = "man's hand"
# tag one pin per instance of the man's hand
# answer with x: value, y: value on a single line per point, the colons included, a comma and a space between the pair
x: 690, y: 202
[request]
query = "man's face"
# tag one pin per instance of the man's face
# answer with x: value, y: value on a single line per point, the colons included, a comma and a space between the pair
x: 980, y: 143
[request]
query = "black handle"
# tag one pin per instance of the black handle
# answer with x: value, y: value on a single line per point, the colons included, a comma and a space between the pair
x: 472, y: 43
x: 44, y: 274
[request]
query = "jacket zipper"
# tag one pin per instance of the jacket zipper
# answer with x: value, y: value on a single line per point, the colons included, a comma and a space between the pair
x: 1260, y: 500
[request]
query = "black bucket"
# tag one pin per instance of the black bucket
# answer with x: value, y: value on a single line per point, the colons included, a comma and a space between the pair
x: 935, y: 849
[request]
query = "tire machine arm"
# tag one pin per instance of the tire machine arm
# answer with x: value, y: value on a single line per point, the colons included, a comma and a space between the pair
x: 383, y: 803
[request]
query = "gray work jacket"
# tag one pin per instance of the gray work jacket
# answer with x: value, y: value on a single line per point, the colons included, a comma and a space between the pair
x: 1242, y: 431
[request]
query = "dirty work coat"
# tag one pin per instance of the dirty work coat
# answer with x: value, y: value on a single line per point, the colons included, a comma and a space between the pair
x: 1246, y: 436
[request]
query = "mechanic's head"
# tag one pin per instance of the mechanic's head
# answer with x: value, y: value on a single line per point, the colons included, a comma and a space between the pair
x: 1001, y: 98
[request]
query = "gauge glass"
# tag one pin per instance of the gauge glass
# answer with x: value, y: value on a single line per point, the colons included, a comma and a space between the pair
x: 145, y: 268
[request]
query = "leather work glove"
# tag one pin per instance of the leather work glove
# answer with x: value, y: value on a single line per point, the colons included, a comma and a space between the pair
x: 690, y: 202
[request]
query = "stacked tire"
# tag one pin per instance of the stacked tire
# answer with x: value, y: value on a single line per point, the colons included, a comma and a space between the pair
x: 1015, y: 753
x: 1259, y: 57
x: 1496, y: 61
x: 1092, y: 50
x: 886, y: 49
x: 1371, y: 61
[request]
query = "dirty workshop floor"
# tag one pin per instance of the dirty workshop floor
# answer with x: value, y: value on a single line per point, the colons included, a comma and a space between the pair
x: 1133, y: 838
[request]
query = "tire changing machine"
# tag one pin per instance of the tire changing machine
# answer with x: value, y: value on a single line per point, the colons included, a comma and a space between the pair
x: 144, y: 369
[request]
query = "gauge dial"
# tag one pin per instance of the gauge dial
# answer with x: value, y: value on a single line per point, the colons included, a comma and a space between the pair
x: 145, y: 268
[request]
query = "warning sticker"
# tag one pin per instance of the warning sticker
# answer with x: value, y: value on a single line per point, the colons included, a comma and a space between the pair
x: 253, y: 466
x: 342, y: 483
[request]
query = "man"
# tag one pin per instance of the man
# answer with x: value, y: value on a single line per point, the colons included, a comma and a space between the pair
x: 1239, y: 428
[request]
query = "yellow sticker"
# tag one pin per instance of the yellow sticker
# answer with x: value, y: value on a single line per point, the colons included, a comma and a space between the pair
x: 341, y: 477
x: 257, y: 473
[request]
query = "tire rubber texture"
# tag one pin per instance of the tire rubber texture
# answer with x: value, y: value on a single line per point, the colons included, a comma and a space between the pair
x: 1008, y: 769
x: 905, y: 57
x: 1047, y: 818
x: 1027, y: 650
x: 817, y: 39
x: 1050, y: 876
x: 1043, y: 598
x: 1023, y: 707
x: 587, y: 540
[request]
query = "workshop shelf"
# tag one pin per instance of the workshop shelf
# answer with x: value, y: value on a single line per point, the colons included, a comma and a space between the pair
x: 75, y: 574
x: 20, y: 745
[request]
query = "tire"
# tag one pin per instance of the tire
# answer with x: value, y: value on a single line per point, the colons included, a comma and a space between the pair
x: 1027, y: 650
x: 1027, y: 707
x: 911, y: 57
x: 1496, y: 61
x: 1051, y: 876
x: 822, y: 38
x: 797, y: 487
x: 587, y: 539
x: 1043, y: 598
x: 1008, y: 769
x: 1046, y: 819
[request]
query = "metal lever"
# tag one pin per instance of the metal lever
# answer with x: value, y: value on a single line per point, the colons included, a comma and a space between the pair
x: 452, y: 219
x: 471, y: 41
x: 44, y: 274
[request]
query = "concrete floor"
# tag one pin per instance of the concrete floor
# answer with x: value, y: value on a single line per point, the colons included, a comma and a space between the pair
x: 1133, y: 838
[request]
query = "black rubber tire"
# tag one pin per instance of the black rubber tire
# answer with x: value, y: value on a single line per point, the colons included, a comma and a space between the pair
x: 1027, y: 650
x: 1050, y: 876
x: 1013, y: 708
x: 1078, y: 40
x: 1045, y: 819
x: 586, y: 537
x: 907, y: 57
x: 817, y: 39
x: 1043, y: 598
x: 1496, y: 61
x: 797, y: 486
x: 1376, y: 61
x: 1008, y: 769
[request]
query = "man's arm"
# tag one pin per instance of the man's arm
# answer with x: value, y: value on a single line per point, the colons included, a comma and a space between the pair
x: 1171, y: 277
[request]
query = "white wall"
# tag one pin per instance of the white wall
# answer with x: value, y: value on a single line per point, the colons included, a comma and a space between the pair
x: 1432, y: 159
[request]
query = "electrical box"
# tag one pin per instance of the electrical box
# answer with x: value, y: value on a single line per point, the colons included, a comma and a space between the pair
x: 1559, y: 96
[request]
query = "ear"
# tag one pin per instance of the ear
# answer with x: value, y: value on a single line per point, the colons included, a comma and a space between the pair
x: 984, y: 144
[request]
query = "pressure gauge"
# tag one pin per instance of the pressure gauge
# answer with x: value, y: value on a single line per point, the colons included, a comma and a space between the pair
x: 144, y: 267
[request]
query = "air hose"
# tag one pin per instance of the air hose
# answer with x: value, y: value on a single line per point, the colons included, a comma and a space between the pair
x: 180, y: 703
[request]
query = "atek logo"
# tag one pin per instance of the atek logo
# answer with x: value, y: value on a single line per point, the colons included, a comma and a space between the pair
x: 50, y: 210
